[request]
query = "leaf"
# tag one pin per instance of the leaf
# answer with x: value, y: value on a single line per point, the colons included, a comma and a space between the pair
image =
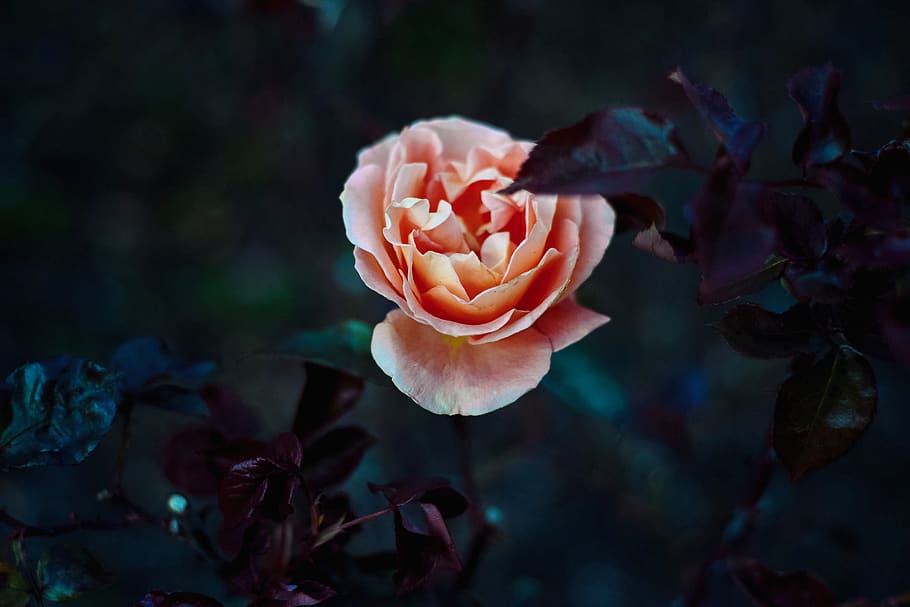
x: 753, y: 331
x: 14, y: 588
x: 434, y: 490
x: 824, y: 281
x: 58, y: 410
x: 883, y: 250
x: 263, y: 486
x: 228, y: 414
x: 896, y: 328
x: 825, y: 136
x: 889, y: 170
x: 855, y: 190
x: 579, y: 380
x: 333, y: 457
x: 66, y: 572
x: 756, y: 281
x: 769, y: 588
x: 198, y: 459
x: 636, y: 212
x: 152, y: 375
x: 420, y: 554
x: 739, y: 137
x: 801, y: 232
x: 732, y: 237
x: 157, y: 598
x: 345, y: 347
x: 327, y: 395
x: 665, y: 245
x: 307, y: 592
x: 822, y: 409
x: 596, y: 155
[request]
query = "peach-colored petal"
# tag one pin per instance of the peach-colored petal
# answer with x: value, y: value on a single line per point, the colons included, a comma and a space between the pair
x: 373, y: 277
x: 435, y: 269
x: 458, y: 135
x: 496, y: 251
x: 363, y: 216
x: 408, y: 182
x: 567, y: 322
x: 449, y: 375
x: 596, y: 222
x: 378, y: 153
x: 474, y: 275
x: 540, y: 212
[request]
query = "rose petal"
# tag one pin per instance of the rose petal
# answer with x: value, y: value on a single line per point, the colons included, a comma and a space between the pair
x: 596, y: 222
x: 373, y: 277
x: 364, y: 219
x: 540, y: 213
x: 567, y: 322
x: 449, y: 375
x: 458, y: 135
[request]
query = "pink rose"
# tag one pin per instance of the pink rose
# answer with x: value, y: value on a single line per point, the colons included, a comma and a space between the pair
x: 485, y: 282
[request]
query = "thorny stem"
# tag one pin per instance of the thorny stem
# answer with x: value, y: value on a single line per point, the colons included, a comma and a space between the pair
x: 737, y: 532
x: 483, y: 529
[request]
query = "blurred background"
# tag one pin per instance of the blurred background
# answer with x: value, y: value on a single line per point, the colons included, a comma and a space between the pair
x: 173, y: 168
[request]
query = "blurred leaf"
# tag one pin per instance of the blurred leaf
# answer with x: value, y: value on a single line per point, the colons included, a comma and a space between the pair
x: 855, y: 190
x: 665, y: 245
x: 889, y: 170
x: 345, y: 347
x: 732, y: 237
x: 882, y: 250
x: 822, y: 409
x: 769, y: 588
x: 421, y: 554
x: 327, y: 395
x: 753, y: 331
x: 333, y: 457
x: 799, y: 224
x: 434, y: 490
x: 308, y: 592
x: 751, y: 283
x: 596, y: 155
x: 824, y: 281
x: 152, y: 375
x: 264, y: 485
x: 896, y: 326
x: 579, y: 381
x: 637, y: 212
x: 66, y: 572
x: 14, y: 588
x: 156, y: 598
x: 198, y: 459
x: 228, y: 414
x: 825, y: 136
x: 59, y: 411
x: 739, y: 137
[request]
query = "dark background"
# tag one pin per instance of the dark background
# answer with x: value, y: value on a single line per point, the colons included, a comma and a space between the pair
x: 173, y: 168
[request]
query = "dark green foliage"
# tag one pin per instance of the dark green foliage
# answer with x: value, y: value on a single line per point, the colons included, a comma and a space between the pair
x: 66, y: 572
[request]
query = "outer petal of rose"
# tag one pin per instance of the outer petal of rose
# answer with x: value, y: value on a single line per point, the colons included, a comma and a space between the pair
x: 373, y: 277
x: 596, y: 226
x: 450, y: 376
x: 364, y: 219
x: 459, y: 135
x: 378, y: 153
x: 567, y: 322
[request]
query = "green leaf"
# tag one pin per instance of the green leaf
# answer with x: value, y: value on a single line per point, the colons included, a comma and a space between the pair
x: 66, y: 572
x: 345, y: 347
x: 822, y: 409
x: 59, y: 410
x: 577, y: 378
x: 14, y: 591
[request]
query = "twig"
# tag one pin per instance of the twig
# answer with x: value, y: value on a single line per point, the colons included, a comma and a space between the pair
x: 737, y: 531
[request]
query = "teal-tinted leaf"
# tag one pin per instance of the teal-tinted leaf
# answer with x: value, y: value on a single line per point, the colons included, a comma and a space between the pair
x: 577, y: 378
x: 345, y: 347
x: 66, y: 572
x: 823, y: 409
x: 59, y: 411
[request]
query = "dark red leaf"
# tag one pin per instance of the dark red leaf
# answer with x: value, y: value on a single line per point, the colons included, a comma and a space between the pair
x: 665, y: 245
x: 824, y: 281
x: 333, y: 457
x: 308, y: 592
x: 896, y: 327
x: 825, y: 137
x: 822, y: 409
x: 753, y: 331
x: 600, y: 153
x: 286, y: 451
x: 156, y: 598
x: 801, y: 233
x: 886, y: 250
x: 732, y: 237
x: 636, y: 212
x: 198, y: 459
x: 739, y: 137
x: 889, y: 170
x: 769, y: 588
x: 856, y: 192
x: 421, y: 554
x: 327, y: 395
x: 263, y: 486
x: 227, y: 412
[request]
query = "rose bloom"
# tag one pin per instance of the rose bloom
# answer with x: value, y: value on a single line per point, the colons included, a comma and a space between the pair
x: 484, y: 281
